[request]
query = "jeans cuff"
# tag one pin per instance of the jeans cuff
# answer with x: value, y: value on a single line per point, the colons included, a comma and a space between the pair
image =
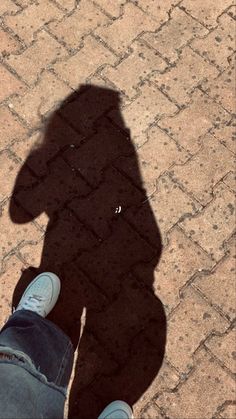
x: 10, y: 353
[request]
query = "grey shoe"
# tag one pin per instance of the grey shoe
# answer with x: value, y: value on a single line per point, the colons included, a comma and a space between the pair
x: 41, y: 294
x: 117, y: 410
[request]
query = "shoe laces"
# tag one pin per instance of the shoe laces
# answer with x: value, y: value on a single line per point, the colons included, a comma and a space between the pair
x: 34, y: 303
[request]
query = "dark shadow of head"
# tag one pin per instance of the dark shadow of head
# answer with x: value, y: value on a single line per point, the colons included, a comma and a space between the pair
x: 102, y: 240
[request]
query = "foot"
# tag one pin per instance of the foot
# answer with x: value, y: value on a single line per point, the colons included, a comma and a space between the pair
x: 41, y: 294
x: 117, y: 410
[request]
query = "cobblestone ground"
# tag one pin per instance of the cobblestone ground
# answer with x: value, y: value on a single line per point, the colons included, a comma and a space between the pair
x: 173, y: 63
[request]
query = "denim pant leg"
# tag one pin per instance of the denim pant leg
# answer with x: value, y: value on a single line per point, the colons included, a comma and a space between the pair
x: 41, y: 365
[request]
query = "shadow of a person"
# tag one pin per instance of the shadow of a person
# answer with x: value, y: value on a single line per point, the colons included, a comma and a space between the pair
x: 101, y: 230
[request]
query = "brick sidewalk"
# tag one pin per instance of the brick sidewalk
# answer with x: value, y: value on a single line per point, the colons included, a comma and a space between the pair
x: 61, y: 160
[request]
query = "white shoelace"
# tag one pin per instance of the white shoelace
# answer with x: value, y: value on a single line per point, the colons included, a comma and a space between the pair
x: 34, y: 303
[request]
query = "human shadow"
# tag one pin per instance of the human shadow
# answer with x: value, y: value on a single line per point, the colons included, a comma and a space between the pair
x: 103, y: 242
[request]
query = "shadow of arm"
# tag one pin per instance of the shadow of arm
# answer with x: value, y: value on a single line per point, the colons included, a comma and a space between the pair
x: 27, y: 200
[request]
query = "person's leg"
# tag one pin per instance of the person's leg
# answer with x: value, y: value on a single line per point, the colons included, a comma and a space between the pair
x: 39, y: 342
x: 36, y: 357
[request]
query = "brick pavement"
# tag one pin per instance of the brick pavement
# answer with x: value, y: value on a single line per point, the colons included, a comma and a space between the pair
x: 73, y: 149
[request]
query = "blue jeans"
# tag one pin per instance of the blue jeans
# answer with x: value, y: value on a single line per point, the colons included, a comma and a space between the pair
x: 36, y: 360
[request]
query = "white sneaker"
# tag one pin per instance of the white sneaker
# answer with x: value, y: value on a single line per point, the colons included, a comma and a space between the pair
x: 41, y: 294
x: 117, y: 410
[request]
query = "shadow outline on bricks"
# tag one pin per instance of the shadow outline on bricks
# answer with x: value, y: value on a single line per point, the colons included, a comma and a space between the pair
x: 87, y: 180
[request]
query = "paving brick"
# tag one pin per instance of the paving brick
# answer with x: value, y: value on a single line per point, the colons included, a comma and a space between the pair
x: 151, y: 411
x: 180, y: 260
x: 32, y: 253
x: 219, y: 44
x: 215, y: 224
x: 36, y: 102
x: 212, y: 385
x: 189, y: 71
x: 97, y: 81
x: 232, y: 12
x: 175, y: 34
x: 78, y: 68
x: 134, y: 69
x: 190, y: 124
x: 84, y: 110
x: 13, y: 234
x: 38, y: 14
x: 9, y: 277
x: 7, y: 6
x: 10, y: 128
x: 211, y: 164
x: 84, y: 20
x: 22, y: 149
x: 206, y: 11
x: 167, y: 378
x: 190, y: 323
x: 59, y: 186
x: 222, y: 89
x: 56, y: 135
x: 230, y: 181
x: 8, y: 44
x: 227, y: 135
x: 132, y: 22
x: 90, y: 163
x: 44, y: 50
x: 144, y: 355
x: 160, y: 11
x: 77, y: 286
x: 115, y: 190
x: 130, y: 320
x: 10, y: 84
x: 170, y: 204
x: 92, y: 361
x: 73, y: 237
x: 229, y: 411
x: 143, y: 220
x: 111, y: 7
x: 223, y: 347
x: 156, y: 156
x: 24, y: 3
x: 68, y: 5
x: 117, y: 259
x: 149, y: 106
x: 223, y: 274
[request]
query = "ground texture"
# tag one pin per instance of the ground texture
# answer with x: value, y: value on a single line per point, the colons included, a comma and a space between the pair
x: 129, y: 198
